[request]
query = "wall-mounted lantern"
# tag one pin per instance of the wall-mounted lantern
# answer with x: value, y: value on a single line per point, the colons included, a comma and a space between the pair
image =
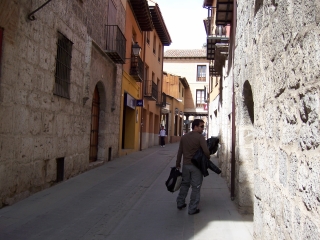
x: 136, y: 49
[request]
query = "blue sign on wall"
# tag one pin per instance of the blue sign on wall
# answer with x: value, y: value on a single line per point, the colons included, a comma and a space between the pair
x: 139, y: 103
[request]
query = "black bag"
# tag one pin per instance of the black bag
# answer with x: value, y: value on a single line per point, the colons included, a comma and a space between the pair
x: 174, y: 181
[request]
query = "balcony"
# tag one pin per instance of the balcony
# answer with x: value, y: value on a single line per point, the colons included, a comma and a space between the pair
x: 136, y: 69
x: 115, y: 44
x: 212, y: 71
x: 163, y: 101
x: 217, y: 42
x: 151, y: 90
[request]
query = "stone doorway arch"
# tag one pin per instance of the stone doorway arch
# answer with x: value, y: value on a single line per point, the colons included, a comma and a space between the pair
x: 98, y: 124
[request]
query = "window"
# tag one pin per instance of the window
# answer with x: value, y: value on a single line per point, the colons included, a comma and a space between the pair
x: 148, y: 37
x: 146, y: 74
x: 201, y: 73
x: 154, y: 43
x: 159, y: 52
x: 63, y: 67
x: 200, y: 97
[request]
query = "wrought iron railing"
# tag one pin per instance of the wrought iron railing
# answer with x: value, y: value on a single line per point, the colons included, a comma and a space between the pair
x: 151, y: 90
x: 115, y: 44
x: 136, y: 69
x: 162, y: 101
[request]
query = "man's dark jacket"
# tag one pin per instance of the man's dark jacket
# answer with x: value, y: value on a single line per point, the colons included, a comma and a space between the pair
x: 202, y: 162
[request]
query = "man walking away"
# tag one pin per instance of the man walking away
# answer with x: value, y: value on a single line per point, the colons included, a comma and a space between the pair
x: 162, y: 135
x: 191, y: 175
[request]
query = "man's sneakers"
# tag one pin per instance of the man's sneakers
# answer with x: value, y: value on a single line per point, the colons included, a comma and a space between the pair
x: 197, y: 211
x: 181, y: 207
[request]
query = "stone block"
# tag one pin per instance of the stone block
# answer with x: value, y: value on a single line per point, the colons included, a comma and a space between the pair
x: 35, y: 122
x: 20, y: 119
x: 271, y: 165
x: 283, y: 168
x: 293, y: 174
x: 61, y: 144
x: 51, y: 170
x: 47, y: 122
x: 7, y: 95
x: 23, y: 176
x: 310, y: 229
x: 245, y: 173
x: 245, y: 155
x: 39, y: 147
x: 45, y: 59
x: 6, y: 116
x: 38, y: 175
x: 24, y: 150
x: 297, y: 224
x: 33, y: 52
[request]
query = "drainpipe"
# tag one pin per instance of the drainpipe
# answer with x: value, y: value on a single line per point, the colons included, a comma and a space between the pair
x: 233, y: 124
x: 233, y: 147
x: 144, y: 42
x: 167, y: 130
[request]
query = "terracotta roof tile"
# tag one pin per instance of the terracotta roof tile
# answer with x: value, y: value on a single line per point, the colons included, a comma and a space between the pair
x: 185, y: 53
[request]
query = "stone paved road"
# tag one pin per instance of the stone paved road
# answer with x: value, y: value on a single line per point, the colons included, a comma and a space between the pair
x: 125, y: 199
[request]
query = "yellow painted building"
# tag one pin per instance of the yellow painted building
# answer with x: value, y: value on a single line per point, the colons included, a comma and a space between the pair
x: 172, y: 112
x: 141, y: 93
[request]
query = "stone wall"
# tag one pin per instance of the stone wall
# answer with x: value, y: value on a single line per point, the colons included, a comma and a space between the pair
x: 36, y: 126
x: 277, y: 53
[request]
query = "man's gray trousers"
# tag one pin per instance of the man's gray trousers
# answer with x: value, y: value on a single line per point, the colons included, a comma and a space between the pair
x: 191, y: 175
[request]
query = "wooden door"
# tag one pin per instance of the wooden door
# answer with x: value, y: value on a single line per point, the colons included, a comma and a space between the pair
x: 94, y: 126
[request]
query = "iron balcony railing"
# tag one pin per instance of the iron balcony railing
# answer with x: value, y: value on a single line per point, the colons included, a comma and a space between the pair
x: 136, y: 69
x: 218, y: 37
x: 162, y: 102
x: 151, y: 90
x: 115, y: 44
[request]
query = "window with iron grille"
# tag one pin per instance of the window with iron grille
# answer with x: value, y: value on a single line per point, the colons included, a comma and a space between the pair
x: 63, y: 67
x: 200, y: 97
x: 201, y: 73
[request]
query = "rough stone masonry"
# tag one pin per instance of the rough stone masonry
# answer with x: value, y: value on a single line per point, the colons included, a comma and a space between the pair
x: 38, y: 127
x: 278, y: 54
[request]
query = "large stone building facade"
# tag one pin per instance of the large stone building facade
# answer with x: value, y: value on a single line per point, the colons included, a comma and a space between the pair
x: 54, y: 72
x: 277, y: 68
x: 269, y: 114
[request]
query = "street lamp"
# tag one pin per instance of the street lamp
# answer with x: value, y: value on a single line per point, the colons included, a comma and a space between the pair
x: 136, y: 49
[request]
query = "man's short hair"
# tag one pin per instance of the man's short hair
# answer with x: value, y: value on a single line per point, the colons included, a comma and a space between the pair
x: 196, y: 122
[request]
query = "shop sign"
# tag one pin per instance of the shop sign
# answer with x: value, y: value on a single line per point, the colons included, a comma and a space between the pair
x: 139, y: 103
x: 130, y: 101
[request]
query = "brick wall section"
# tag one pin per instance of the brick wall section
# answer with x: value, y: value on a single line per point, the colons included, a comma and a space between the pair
x: 277, y: 51
x: 37, y: 127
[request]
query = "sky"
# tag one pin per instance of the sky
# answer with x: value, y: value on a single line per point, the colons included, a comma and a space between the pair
x: 184, y: 21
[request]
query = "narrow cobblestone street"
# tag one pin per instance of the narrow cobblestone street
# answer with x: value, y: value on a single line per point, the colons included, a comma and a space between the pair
x: 125, y: 199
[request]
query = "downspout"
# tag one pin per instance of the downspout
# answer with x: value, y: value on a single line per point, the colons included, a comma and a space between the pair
x: 167, y: 130
x: 233, y: 147
x: 233, y: 124
x: 142, y: 86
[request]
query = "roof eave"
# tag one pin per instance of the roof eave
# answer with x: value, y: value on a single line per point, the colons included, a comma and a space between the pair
x: 142, y: 14
x: 160, y: 25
